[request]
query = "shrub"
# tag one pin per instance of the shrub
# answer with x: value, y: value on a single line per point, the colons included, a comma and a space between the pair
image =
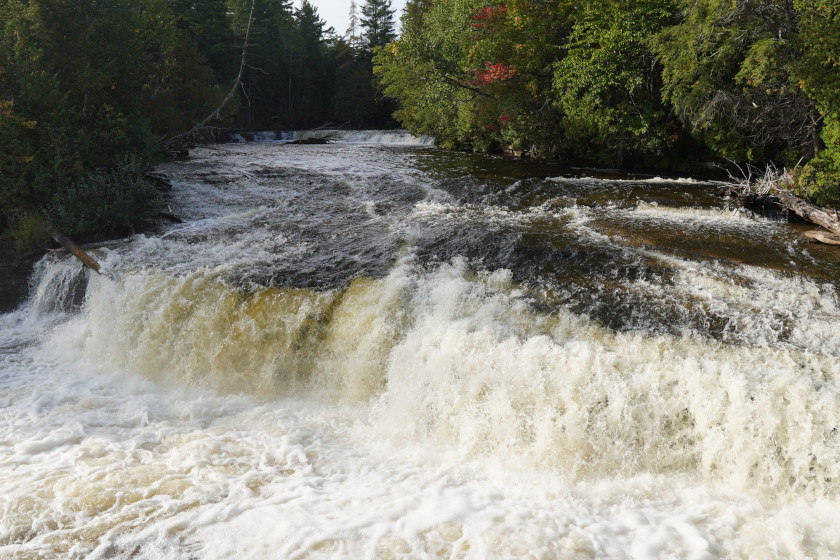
x: 112, y: 200
x: 26, y: 232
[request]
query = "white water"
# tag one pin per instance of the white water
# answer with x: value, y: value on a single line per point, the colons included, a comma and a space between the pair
x: 386, y: 137
x: 433, y: 411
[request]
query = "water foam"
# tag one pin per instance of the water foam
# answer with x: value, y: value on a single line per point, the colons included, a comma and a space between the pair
x: 478, y: 426
x: 385, y: 137
x: 440, y: 409
x: 463, y: 361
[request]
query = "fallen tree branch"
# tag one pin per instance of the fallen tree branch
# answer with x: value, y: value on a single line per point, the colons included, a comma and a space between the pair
x: 200, y: 128
x: 171, y: 217
x: 71, y: 247
x: 820, y: 236
x: 770, y: 199
x: 162, y: 182
x: 809, y: 212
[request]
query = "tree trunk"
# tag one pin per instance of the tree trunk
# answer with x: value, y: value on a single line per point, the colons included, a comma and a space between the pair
x: 77, y: 251
x: 806, y: 210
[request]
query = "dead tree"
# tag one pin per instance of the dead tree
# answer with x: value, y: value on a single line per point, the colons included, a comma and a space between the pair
x: 201, y: 132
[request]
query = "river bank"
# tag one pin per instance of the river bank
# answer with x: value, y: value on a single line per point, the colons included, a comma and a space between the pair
x: 15, y: 271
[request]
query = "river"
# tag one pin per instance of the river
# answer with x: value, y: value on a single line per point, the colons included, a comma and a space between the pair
x: 376, y: 349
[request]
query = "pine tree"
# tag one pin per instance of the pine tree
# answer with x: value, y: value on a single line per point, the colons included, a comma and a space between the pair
x: 378, y: 23
x: 353, y: 28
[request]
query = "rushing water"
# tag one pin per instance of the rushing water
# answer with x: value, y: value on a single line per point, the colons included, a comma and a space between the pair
x: 361, y: 350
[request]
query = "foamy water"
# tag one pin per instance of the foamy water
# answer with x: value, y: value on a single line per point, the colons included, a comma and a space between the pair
x: 387, y: 137
x: 384, y: 362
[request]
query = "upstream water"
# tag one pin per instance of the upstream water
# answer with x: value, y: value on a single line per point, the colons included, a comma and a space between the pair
x: 361, y: 350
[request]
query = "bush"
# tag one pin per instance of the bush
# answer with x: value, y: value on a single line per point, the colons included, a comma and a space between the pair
x: 819, y: 180
x: 26, y: 232
x: 112, y: 200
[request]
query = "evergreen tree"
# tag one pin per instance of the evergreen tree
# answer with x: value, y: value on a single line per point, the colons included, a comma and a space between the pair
x: 378, y: 24
x: 354, y: 98
x: 352, y: 33
x: 312, y: 88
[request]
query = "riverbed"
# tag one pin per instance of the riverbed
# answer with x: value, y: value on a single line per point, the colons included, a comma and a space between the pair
x: 376, y: 349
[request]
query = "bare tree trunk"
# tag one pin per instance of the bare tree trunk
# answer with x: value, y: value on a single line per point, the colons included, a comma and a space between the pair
x: 808, y: 211
x: 815, y: 132
x: 185, y: 137
x: 71, y: 247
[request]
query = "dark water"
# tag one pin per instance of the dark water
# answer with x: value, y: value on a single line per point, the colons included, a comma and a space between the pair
x: 584, y: 240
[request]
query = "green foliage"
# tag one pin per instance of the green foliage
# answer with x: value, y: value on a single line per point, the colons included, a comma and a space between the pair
x: 39, y: 149
x: 84, y: 84
x: 26, y: 231
x: 727, y: 71
x: 476, y: 75
x: 354, y: 100
x: 819, y: 179
x: 114, y: 199
x: 612, y: 81
x: 818, y: 74
x: 608, y: 85
x: 89, y: 88
x: 427, y: 106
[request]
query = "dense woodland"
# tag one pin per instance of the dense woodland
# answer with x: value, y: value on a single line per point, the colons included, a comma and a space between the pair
x: 643, y: 83
x: 90, y: 90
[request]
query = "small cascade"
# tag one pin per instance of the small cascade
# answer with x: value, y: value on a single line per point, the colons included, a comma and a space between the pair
x: 58, y: 284
x: 384, y: 137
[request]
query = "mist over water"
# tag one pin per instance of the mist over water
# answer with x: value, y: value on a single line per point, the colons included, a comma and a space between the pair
x: 373, y: 349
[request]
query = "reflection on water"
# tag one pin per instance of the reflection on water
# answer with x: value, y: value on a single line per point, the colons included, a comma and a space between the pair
x: 368, y: 351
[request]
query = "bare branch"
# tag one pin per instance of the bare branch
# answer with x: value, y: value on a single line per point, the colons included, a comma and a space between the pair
x: 200, y: 128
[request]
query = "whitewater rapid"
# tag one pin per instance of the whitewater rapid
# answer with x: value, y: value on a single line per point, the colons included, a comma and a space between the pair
x: 379, y: 351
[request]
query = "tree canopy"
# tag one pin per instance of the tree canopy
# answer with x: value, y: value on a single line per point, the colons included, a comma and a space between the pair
x: 89, y: 89
x: 627, y: 82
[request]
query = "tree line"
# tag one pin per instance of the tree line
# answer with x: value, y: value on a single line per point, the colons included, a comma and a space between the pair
x: 91, y: 89
x: 640, y: 83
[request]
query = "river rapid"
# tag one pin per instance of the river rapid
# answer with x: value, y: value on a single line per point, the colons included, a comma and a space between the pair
x: 375, y: 349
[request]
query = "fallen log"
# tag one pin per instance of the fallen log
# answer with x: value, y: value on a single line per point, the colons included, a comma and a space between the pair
x: 763, y: 204
x: 810, y: 212
x: 161, y: 181
x: 305, y: 141
x: 780, y: 203
x: 171, y: 217
x: 820, y: 236
x: 74, y: 249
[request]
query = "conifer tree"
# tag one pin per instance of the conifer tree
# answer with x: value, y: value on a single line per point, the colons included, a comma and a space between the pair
x: 378, y: 23
x: 352, y: 33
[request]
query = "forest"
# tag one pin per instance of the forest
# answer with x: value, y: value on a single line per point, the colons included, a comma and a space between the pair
x: 91, y: 89
x: 628, y: 83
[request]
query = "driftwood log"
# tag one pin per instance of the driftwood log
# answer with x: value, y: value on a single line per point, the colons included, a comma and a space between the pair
x: 161, y: 181
x: 77, y: 251
x: 784, y: 203
x: 820, y: 236
x: 807, y: 211
x: 764, y: 204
